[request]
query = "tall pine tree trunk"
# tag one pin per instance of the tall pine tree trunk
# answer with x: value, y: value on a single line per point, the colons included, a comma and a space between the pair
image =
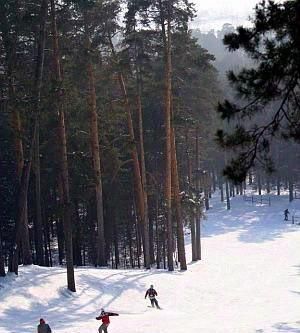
x: 94, y: 138
x: 190, y: 181
x: 63, y: 159
x: 24, y: 240
x: 60, y: 223
x: 278, y: 184
x: 259, y: 183
x: 198, y: 214
x: 177, y: 200
x: 20, y: 230
x: 221, y: 188
x: 38, y: 229
x: 291, y: 189
x: 18, y: 141
x: 144, y: 178
x: 166, y: 35
x: 140, y: 196
x: 37, y: 87
x: 227, y: 195
x: 2, y: 263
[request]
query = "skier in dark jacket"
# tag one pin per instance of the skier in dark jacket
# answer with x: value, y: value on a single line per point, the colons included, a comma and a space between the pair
x: 43, y: 327
x: 104, y: 316
x: 151, y: 293
x: 286, y: 214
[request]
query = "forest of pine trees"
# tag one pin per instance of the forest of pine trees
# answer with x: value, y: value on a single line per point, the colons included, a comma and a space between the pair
x: 107, y: 135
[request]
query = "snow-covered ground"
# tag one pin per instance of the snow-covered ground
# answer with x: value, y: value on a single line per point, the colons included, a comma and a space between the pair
x: 248, y: 281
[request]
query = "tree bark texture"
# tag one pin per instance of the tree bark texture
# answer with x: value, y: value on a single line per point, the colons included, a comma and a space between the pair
x: 168, y: 156
x: 177, y: 201
x: 140, y: 196
x: 38, y: 223
x: 95, y: 149
x: 144, y: 178
x: 63, y: 159
x: 198, y: 214
x: 38, y: 226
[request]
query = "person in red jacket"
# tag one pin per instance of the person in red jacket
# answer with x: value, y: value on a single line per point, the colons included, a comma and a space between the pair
x: 104, y: 316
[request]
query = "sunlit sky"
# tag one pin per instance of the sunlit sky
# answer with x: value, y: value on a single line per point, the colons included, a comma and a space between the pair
x: 212, y: 14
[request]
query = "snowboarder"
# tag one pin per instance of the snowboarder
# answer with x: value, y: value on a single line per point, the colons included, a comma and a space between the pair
x: 104, y: 316
x: 286, y: 213
x: 43, y: 327
x: 151, y: 293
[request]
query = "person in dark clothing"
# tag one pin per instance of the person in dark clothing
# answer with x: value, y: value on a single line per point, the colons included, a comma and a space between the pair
x: 286, y: 214
x: 151, y: 293
x: 43, y: 327
x: 104, y: 316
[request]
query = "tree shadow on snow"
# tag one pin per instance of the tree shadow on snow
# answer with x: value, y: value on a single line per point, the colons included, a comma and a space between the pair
x: 287, y: 327
x: 104, y: 291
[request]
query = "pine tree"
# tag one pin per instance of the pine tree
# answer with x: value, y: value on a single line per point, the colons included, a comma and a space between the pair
x: 269, y: 89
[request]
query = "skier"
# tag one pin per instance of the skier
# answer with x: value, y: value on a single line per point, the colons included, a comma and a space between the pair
x: 43, y: 327
x: 104, y: 316
x: 151, y: 293
x: 286, y: 213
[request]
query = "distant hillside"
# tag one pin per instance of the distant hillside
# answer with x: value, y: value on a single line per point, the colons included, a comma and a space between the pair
x: 213, y: 42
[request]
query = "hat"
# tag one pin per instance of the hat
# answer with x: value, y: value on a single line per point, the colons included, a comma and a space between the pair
x: 151, y: 285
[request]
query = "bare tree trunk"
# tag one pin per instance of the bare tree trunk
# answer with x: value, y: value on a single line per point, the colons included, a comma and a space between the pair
x: 38, y: 86
x: 38, y: 229
x: 206, y: 190
x: 198, y: 214
x: 291, y: 189
x: 94, y: 137
x: 158, y: 243
x: 144, y: 179
x: 77, y: 236
x: 177, y: 200
x: 213, y: 178
x: 2, y: 263
x: 227, y: 195
x: 168, y: 158
x: 268, y: 185
x: 259, y: 183
x: 278, y: 185
x: 190, y: 180
x: 17, y: 127
x: 16, y: 123
x: 36, y: 142
x: 63, y: 156
x: 250, y: 177
x: 60, y: 224
x: 221, y: 188
x: 140, y: 196
x: 20, y: 230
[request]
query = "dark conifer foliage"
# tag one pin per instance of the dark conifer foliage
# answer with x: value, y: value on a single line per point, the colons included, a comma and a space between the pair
x: 83, y: 101
x: 268, y: 92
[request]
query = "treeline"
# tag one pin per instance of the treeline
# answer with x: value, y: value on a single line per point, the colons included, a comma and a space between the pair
x: 106, y: 133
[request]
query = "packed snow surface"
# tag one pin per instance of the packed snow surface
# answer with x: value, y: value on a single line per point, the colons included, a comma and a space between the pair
x: 248, y: 281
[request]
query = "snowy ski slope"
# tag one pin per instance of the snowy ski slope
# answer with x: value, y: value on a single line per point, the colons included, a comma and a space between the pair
x: 247, y: 282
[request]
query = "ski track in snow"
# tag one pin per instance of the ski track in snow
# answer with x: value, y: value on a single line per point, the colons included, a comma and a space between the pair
x: 247, y: 282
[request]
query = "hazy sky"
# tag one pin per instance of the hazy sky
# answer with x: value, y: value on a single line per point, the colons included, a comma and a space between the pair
x: 212, y: 14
